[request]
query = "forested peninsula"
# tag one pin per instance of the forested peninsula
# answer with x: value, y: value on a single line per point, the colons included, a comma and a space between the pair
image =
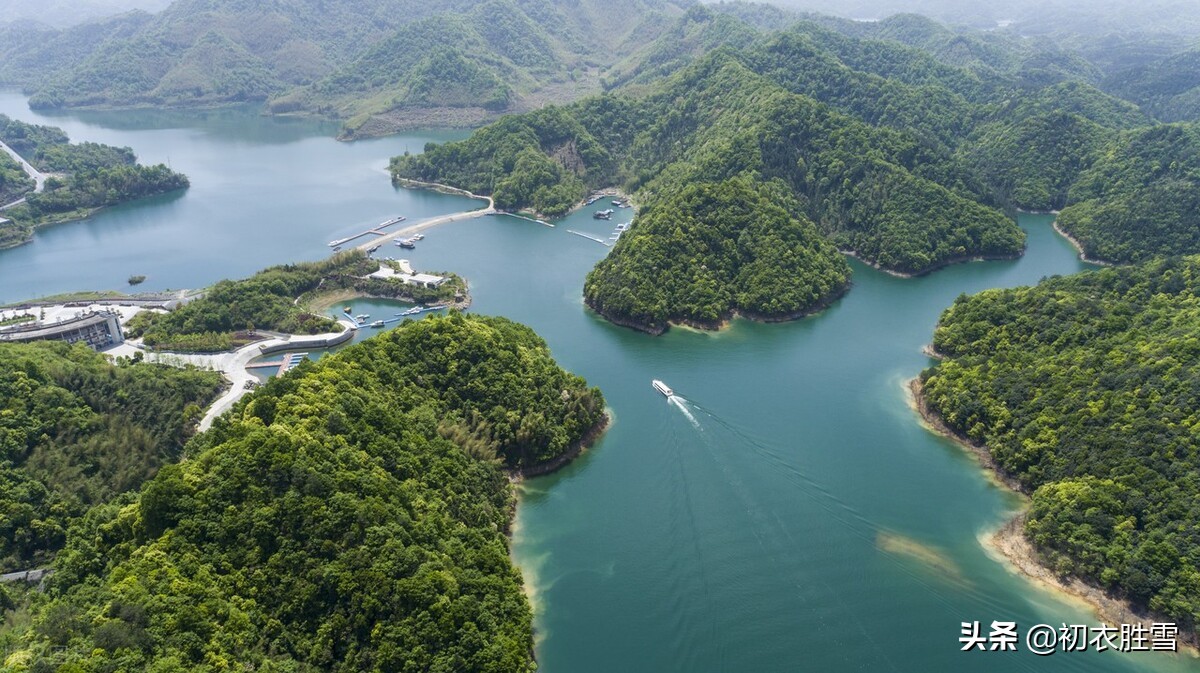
x: 81, y: 178
x: 1083, y: 391
x: 349, y: 516
x: 229, y: 313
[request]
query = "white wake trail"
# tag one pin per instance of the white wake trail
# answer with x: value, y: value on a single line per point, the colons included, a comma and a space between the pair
x: 682, y: 404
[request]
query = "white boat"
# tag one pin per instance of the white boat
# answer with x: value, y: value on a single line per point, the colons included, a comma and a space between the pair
x: 377, y: 324
x: 662, y: 388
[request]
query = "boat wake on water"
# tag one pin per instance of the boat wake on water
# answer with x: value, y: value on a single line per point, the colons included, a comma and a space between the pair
x: 681, y: 404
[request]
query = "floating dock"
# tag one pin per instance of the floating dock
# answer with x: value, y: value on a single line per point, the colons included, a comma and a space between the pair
x: 601, y: 241
x: 281, y: 366
x: 530, y: 219
x: 377, y: 230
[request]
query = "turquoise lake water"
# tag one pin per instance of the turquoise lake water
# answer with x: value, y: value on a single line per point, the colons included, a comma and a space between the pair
x: 791, y: 514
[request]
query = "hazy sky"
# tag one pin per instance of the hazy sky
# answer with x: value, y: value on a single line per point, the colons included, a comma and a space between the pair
x: 69, y: 12
x: 1075, y: 16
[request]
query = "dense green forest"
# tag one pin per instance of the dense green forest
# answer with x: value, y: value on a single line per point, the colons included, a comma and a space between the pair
x: 897, y: 152
x: 85, y: 176
x: 1084, y: 390
x: 1141, y: 197
x: 711, y: 250
x: 77, y: 432
x: 14, y: 182
x: 350, y: 516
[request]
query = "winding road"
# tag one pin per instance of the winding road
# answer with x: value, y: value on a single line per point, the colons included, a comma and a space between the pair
x: 39, y: 178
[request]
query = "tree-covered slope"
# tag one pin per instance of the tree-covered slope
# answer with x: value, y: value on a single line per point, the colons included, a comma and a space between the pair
x: 14, y: 181
x: 1084, y: 390
x: 379, y: 64
x: 1140, y: 198
x: 350, y: 516
x: 84, y: 177
x: 712, y: 250
x: 881, y: 192
x: 31, y: 52
x: 266, y: 300
x: 483, y: 59
x: 76, y: 431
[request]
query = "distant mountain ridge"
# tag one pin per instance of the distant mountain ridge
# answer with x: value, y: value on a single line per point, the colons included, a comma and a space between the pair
x: 378, y: 63
x: 67, y: 13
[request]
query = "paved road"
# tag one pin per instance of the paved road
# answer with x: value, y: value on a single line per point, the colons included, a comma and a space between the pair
x: 232, y: 363
x: 431, y: 222
x: 38, y: 176
x: 26, y: 575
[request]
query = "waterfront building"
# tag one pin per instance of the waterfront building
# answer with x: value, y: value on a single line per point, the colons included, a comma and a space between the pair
x: 98, y: 329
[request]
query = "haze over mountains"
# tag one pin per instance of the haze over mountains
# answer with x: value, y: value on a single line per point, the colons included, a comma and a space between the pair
x: 65, y: 13
x: 1076, y: 17
x: 383, y: 65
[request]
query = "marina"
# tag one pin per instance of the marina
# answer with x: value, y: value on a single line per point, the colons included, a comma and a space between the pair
x: 282, y: 366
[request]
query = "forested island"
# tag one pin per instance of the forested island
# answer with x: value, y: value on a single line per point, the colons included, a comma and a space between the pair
x: 1083, y: 391
x: 82, y: 178
x: 349, y: 516
x: 713, y: 250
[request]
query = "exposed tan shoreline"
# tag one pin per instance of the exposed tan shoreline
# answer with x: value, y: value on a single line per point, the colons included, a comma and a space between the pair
x: 1009, y: 545
x: 1078, y: 246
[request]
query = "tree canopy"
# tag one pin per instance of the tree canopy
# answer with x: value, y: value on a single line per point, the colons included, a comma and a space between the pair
x: 349, y: 516
x: 1084, y: 389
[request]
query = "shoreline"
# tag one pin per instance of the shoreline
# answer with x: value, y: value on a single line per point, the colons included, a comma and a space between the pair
x: 725, y: 321
x: 1078, y: 246
x: 589, y: 439
x: 1009, y: 545
x: 409, y: 183
x: 965, y: 259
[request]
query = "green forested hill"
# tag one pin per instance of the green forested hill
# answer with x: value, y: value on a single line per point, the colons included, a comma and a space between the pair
x: 479, y: 62
x: 350, y: 516
x: 1085, y: 390
x: 1141, y: 197
x: 714, y: 249
x: 379, y: 64
x: 84, y: 177
x: 32, y: 52
x: 893, y: 152
x: 860, y: 184
x: 76, y: 431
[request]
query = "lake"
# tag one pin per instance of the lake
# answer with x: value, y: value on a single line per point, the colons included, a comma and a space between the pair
x: 791, y: 514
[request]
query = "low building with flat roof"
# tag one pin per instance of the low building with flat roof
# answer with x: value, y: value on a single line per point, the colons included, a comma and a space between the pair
x: 423, y: 279
x: 98, y: 329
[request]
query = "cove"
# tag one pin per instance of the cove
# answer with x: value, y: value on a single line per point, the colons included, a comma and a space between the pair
x: 792, y: 514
